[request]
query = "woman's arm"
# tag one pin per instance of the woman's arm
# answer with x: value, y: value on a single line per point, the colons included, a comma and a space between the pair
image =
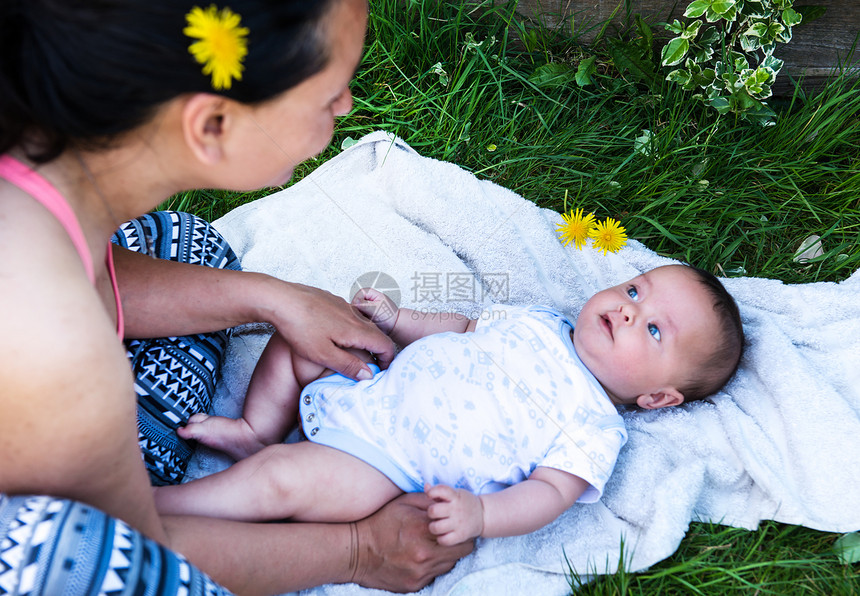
x: 164, y: 298
x: 67, y: 407
x: 522, y: 508
x: 391, y: 550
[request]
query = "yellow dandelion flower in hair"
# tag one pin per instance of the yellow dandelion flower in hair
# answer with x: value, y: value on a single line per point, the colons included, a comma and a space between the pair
x: 221, y: 43
x: 575, y: 228
x: 608, y: 236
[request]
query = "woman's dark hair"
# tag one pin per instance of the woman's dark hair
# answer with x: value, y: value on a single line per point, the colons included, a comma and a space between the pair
x: 727, y: 349
x: 82, y: 72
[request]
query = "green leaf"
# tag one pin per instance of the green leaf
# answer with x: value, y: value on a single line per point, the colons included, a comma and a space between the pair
x: 644, y: 144
x: 746, y: 102
x: 584, y: 71
x: 676, y: 27
x: 726, y: 10
x: 749, y: 44
x: 705, y: 78
x: 680, y: 76
x: 758, y: 83
x: 703, y: 54
x: 731, y: 15
x: 762, y: 76
x: 440, y: 72
x: 784, y: 35
x: 811, y: 13
x: 768, y: 48
x: 628, y: 57
x: 775, y: 30
x: 552, y: 75
x: 791, y: 17
x: 847, y: 548
x: 721, y: 7
x: 692, y: 66
x: 697, y: 8
x: 753, y: 8
x: 674, y: 51
x: 756, y: 30
x: 772, y: 63
x: 721, y: 104
x: 710, y: 36
x: 691, y: 31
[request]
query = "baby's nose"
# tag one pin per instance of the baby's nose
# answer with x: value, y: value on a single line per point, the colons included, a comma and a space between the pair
x: 628, y: 313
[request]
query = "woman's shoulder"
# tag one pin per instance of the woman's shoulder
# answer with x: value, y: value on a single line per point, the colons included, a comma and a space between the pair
x: 46, y: 290
x: 60, y: 360
x: 34, y: 244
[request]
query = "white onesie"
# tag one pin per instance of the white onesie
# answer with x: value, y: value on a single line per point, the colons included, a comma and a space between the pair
x: 478, y: 411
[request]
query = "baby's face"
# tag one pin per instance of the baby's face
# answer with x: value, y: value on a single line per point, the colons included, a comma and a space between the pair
x: 645, y: 336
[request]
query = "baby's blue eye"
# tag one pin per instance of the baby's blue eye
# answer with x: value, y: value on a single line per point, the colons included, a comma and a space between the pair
x: 654, y: 331
x: 633, y: 292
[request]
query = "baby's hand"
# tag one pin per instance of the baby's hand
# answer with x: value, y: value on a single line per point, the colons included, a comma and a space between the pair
x: 457, y: 515
x: 377, y: 307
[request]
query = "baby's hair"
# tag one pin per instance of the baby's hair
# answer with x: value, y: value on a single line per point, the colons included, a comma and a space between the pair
x: 725, y: 356
x: 82, y: 72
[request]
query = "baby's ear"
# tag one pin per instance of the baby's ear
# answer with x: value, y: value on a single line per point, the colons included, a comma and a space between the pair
x: 661, y: 399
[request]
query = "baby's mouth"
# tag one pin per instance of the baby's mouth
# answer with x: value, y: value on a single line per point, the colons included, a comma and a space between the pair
x: 607, y: 324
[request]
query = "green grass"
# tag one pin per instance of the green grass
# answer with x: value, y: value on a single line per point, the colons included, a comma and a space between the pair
x: 724, y: 194
x: 776, y: 560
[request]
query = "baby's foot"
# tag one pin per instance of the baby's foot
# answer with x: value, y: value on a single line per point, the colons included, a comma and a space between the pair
x: 235, y: 437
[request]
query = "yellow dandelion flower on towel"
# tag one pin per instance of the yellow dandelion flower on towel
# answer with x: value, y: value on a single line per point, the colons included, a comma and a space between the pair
x: 575, y: 228
x: 608, y: 236
x: 221, y: 43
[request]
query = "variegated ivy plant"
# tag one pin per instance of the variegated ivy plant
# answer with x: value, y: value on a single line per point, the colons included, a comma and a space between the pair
x: 725, y: 52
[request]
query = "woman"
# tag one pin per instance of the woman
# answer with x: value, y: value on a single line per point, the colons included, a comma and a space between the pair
x: 107, y: 109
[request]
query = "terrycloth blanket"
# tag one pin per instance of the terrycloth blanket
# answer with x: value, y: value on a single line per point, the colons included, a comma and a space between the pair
x: 780, y: 442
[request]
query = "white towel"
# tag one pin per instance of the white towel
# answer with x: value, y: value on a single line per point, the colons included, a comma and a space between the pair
x: 780, y: 442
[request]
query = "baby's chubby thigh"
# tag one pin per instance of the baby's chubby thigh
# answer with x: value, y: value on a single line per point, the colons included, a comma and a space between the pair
x: 310, y: 482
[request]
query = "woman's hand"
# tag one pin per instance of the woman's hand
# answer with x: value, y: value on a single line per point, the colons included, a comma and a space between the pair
x: 320, y: 326
x: 396, y: 551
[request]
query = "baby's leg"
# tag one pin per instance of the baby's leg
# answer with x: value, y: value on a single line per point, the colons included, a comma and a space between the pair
x: 270, y: 409
x: 302, y: 482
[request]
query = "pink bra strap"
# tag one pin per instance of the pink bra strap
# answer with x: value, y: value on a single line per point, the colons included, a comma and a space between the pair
x: 44, y: 192
x: 120, y: 320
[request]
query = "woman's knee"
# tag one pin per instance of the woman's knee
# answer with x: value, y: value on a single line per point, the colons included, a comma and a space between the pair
x: 57, y: 546
x: 177, y: 236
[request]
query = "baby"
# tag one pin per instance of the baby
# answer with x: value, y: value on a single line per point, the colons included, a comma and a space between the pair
x: 505, y: 422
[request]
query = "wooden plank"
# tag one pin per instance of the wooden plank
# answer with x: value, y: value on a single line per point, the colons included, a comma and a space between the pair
x: 816, y: 49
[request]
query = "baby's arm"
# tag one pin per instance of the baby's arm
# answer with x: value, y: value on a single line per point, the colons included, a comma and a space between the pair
x: 405, y: 325
x: 459, y: 515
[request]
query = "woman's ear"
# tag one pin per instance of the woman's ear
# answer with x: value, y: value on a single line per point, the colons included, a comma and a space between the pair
x: 205, y: 118
x: 661, y: 399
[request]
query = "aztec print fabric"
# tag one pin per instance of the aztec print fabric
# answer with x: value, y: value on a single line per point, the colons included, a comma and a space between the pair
x: 54, y: 547
x: 175, y: 376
